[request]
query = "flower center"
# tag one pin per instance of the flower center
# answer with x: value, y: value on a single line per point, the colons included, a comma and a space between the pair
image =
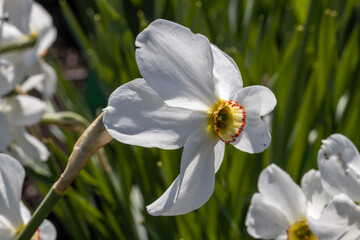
x: 228, y: 120
x: 300, y: 231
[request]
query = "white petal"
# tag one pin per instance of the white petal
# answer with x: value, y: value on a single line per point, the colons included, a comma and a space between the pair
x: 18, y: 57
x: 264, y: 220
x: 25, y: 212
x: 340, y: 145
x: 41, y: 23
x: 6, y: 233
x: 5, y: 134
x: 136, y: 115
x: 43, y: 79
x: 19, y: 11
x: 195, y: 184
x: 7, y: 77
x: 17, y: 152
x: 31, y: 146
x: 256, y: 100
x: 340, y: 218
x: 12, y: 176
x: 279, y: 190
x: 9, y: 34
x: 255, y: 137
x: 47, y: 230
x: 226, y: 73
x: 317, y: 197
x: 23, y: 110
x: 177, y: 64
x: 337, y: 161
x: 219, y: 154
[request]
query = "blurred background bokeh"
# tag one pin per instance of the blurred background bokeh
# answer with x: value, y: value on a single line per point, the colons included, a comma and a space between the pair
x: 306, y: 52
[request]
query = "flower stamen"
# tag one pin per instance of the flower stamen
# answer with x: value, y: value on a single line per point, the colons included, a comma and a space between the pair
x: 229, y: 120
x: 300, y: 230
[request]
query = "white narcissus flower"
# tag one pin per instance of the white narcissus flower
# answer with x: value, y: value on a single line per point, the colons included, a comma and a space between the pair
x: 340, y: 220
x: 13, y: 213
x: 191, y: 96
x: 17, y: 112
x: 339, y: 166
x: 281, y: 209
x: 17, y: 12
x: 27, y: 61
x: 42, y: 31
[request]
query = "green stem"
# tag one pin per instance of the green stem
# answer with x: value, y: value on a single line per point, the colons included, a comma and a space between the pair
x: 40, y: 214
x: 93, y: 138
x: 19, y: 44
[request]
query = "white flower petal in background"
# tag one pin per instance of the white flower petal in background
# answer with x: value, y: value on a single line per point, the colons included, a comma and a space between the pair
x: 314, y: 192
x: 41, y: 24
x: 137, y: 208
x: 9, y: 35
x: 43, y: 34
x: 7, y: 77
x: 181, y: 101
x: 14, y: 214
x: 279, y: 190
x: 340, y: 220
x: 281, y: 209
x: 19, y: 13
x: 339, y: 166
x: 171, y: 55
x: 30, y: 145
x: 195, y: 184
x: 42, y: 78
x: 266, y: 221
x: 12, y: 175
x: 17, y: 112
x: 5, y: 134
x: 23, y: 110
x: 47, y: 230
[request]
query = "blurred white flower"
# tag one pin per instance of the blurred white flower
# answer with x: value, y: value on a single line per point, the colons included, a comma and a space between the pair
x: 42, y: 32
x: 281, y: 209
x: 16, y: 113
x: 191, y: 96
x: 339, y: 166
x: 42, y: 78
x: 17, y: 13
x: 28, y: 60
x: 13, y: 213
x: 340, y: 220
x: 137, y: 208
x: 7, y: 77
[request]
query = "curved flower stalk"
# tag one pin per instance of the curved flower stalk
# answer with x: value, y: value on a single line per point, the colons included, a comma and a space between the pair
x: 281, y: 209
x: 339, y: 166
x: 16, y: 113
x: 340, y: 220
x: 14, y: 214
x: 192, y: 96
